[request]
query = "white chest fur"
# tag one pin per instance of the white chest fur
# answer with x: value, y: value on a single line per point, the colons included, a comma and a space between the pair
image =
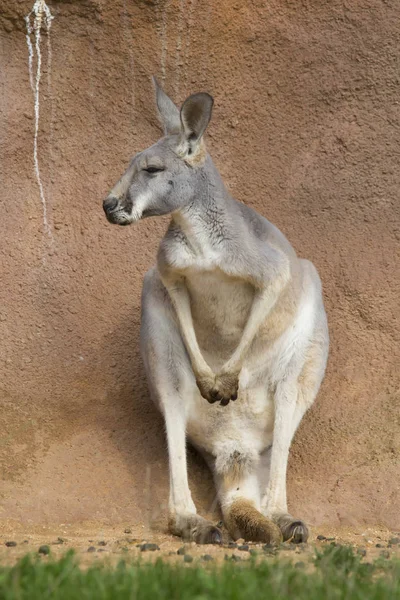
x: 220, y: 307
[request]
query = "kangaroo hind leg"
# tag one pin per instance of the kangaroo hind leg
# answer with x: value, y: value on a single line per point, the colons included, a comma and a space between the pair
x: 239, y: 495
x: 292, y: 400
x: 173, y: 388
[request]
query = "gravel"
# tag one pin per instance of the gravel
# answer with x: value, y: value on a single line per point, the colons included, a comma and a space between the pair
x: 148, y: 547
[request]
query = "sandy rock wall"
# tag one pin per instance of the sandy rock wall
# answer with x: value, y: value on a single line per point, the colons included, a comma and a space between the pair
x: 305, y: 130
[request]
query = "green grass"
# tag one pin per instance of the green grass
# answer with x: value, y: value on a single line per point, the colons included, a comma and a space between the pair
x: 338, y: 573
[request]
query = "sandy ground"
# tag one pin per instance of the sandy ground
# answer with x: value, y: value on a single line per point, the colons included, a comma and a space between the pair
x: 93, y: 543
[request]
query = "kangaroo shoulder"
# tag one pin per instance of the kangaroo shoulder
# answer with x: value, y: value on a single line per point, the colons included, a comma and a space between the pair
x: 174, y: 250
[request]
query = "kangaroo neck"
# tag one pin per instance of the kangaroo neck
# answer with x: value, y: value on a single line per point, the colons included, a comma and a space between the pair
x: 205, y: 219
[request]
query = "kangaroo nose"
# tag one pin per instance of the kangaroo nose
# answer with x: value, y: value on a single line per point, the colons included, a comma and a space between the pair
x: 110, y: 204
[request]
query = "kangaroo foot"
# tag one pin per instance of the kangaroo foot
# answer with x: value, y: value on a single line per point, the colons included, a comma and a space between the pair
x: 292, y: 529
x: 192, y: 528
x: 247, y: 522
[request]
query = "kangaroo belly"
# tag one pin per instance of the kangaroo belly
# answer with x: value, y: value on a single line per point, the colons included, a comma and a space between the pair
x: 245, y: 425
x: 220, y: 308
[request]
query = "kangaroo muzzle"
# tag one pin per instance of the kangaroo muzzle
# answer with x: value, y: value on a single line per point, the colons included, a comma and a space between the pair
x: 110, y: 204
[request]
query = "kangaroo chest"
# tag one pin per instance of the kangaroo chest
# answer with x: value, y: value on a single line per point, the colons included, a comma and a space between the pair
x: 220, y: 307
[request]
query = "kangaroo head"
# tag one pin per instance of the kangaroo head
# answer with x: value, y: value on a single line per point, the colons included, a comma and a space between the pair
x: 164, y: 178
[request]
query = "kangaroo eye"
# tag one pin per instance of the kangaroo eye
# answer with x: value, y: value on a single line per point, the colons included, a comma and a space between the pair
x: 154, y: 169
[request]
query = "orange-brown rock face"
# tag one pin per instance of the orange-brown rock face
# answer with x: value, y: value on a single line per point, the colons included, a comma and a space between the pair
x: 305, y: 130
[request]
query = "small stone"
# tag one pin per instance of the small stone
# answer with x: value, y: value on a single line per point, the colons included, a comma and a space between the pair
x: 11, y: 544
x: 44, y: 549
x: 235, y: 558
x: 61, y: 540
x: 301, y: 546
x: 101, y: 550
x: 321, y: 538
x: 187, y: 558
x: 102, y: 543
x: 128, y: 531
x: 232, y: 545
x: 300, y: 565
x: 26, y: 541
x: 240, y: 541
x: 394, y: 541
x: 91, y: 549
x: 331, y: 539
x: 269, y: 549
x: 362, y: 552
x: 181, y: 551
x: 232, y: 558
x: 379, y: 546
x: 244, y: 548
x: 207, y: 557
x: 148, y: 547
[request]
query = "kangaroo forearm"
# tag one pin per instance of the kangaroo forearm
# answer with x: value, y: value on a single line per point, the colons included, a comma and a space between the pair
x: 264, y: 301
x: 181, y: 301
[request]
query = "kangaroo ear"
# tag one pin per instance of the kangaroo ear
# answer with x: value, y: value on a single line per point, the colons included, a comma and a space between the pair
x: 169, y: 112
x: 195, y: 116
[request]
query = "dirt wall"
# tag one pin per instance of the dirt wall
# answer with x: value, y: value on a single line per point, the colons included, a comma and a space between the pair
x: 305, y: 130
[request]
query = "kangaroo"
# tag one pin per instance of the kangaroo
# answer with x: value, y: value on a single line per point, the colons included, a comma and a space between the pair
x: 234, y: 334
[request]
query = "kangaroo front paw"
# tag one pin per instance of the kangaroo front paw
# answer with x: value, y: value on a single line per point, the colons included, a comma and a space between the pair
x: 220, y: 388
x: 205, y: 383
x: 225, y: 387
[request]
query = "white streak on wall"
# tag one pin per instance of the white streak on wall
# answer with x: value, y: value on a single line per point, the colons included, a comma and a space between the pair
x: 30, y: 50
x: 41, y: 15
